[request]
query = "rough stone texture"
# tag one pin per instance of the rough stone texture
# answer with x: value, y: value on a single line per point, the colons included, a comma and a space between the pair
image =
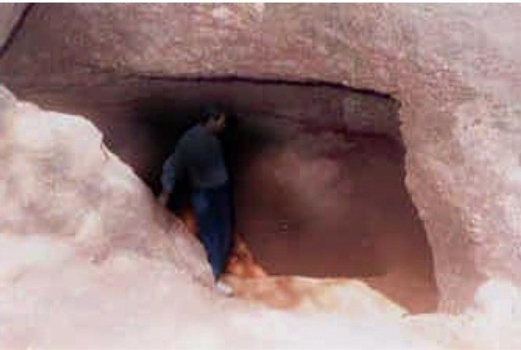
x: 372, y: 114
x: 141, y: 118
x: 59, y: 179
x: 492, y: 321
x: 454, y: 68
x: 9, y: 16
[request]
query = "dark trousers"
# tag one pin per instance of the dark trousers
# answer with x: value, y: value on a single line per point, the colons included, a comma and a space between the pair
x: 212, y: 209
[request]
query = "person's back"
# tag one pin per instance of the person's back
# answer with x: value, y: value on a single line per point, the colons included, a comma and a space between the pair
x: 199, y: 157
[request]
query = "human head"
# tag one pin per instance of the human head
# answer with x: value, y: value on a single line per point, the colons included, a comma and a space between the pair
x: 214, y: 118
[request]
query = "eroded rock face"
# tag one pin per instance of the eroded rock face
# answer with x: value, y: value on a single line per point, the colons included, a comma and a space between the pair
x: 9, y: 16
x: 60, y: 180
x: 314, y: 202
x: 142, y: 118
x: 454, y: 68
x: 91, y: 260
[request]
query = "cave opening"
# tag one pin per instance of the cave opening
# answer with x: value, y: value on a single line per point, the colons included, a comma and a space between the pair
x: 317, y: 172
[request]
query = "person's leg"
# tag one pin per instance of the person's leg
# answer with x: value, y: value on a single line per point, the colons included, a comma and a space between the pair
x: 203, y: 203
x: 212, y: 208
x: 223, y: 205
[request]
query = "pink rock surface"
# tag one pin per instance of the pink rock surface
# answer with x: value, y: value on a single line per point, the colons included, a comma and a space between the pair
x: 9, y: 16
x: 454, y: 68
x: 59, y: 179
x: 118, y: 271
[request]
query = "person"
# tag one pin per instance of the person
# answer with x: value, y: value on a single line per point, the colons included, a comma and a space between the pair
x: 196, y: 171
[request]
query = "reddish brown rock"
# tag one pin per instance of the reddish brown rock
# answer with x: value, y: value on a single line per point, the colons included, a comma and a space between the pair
x: 10, y: 14
x: 454, y: 68
x: 92, y: 260
x: 327, y: 204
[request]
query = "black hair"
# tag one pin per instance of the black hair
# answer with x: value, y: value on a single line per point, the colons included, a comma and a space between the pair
x: 211, y: 112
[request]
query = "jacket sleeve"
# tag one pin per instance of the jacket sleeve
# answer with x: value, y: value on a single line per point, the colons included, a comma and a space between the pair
x: 169, y: 173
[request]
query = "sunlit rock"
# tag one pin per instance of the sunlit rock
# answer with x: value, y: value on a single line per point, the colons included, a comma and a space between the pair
x: 453, y: 69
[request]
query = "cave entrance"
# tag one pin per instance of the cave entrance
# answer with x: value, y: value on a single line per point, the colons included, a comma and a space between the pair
x: 317, y: 168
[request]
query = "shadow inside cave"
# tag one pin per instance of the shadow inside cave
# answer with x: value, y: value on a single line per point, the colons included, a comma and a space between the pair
x: 317, y: 192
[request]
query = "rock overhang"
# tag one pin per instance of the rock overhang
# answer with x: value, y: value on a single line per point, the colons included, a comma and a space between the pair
x: 447, y: 71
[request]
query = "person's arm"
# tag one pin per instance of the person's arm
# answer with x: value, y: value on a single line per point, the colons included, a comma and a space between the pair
x: 167, y: 178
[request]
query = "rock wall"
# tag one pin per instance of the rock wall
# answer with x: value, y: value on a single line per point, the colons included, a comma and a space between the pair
x: 90, y: 260
x: 72, y: 278
x: 454, y: 68
x: 9, y: 15
x: 313, y: 202
x: 142, y: 118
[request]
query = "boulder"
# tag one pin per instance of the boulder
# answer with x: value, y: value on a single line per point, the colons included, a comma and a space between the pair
x: 60, y: 180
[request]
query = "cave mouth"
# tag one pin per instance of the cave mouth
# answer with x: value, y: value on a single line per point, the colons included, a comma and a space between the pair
x: 317, y: 171
x: 330, y: 203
